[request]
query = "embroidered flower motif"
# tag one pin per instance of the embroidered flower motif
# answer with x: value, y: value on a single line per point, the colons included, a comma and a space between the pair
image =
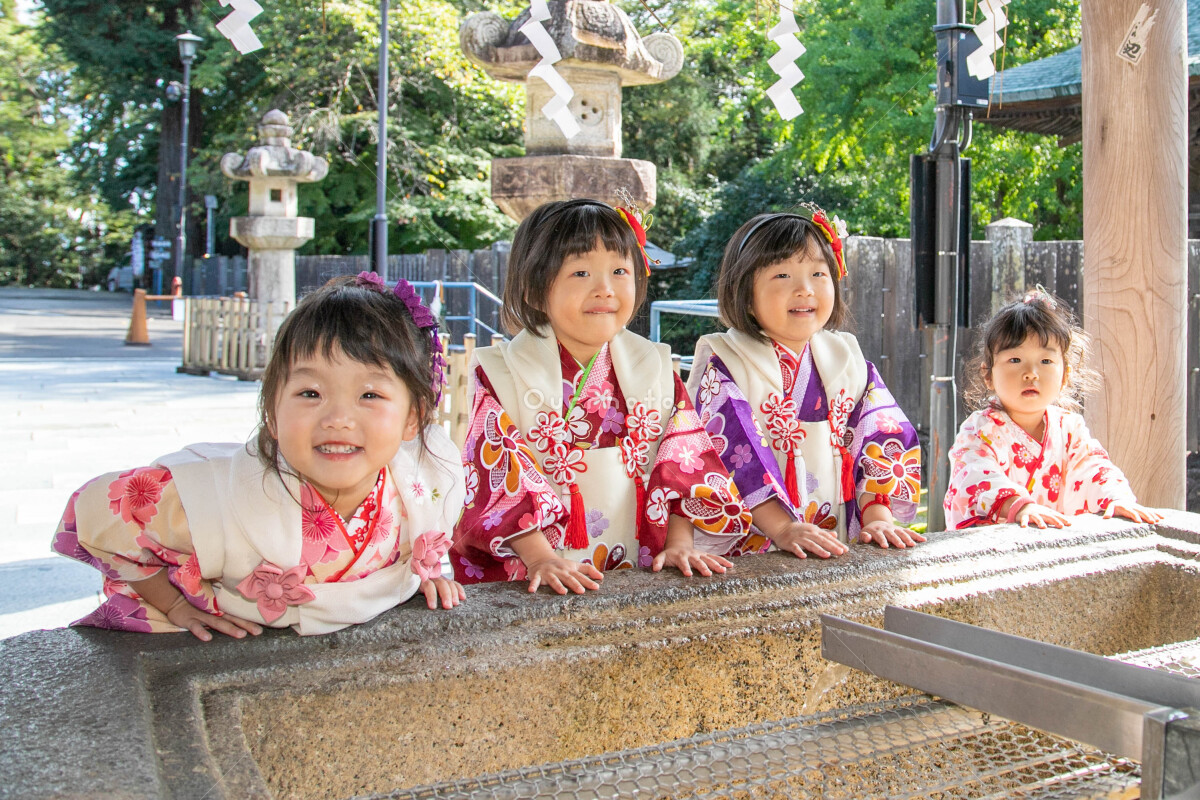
x: 688, y: 459
x: 973, y: 493
x: 317, y: 524
x: 1023, y: 456
x: 187, y: 575
x: 548, y: 430
x: 644, y: 424
x: 613, y: 422
x: 514, y: 568
x: 502, y: 454
x: 604, y: 559
x: 890, y: 469
x: 742, y: 455
x: 134, y: 495
x: 820, y: 515
x: 1101, y: 475
x: 644, y: 558
x: 549, y: 507
x: 786, y: 434
x: 775, y: 406
x: 598, y: 397
x: 710, y: 384
x: 473, y: 570
x: 886, y: 423
x: 839, y: 414
x: 564, y: 464
x: 274, y: 589
x: 492, y: 520
x: 471, y: 478
x: 417, y: 491
x: 427, y: 552
x: 578, y: 425
x: 634, y: 455
x: 118, y: 613
x: 715, y: 427
x: 658, y: 507
x: 596, y: 523
x: 716, y: 507
x: 1052, y: 480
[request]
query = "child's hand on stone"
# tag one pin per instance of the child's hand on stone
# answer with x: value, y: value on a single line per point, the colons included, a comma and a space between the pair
x: 1132, y: 511
x: 563, y: 575
x: 1041, y: 517
x: 685, y: 557
x: 798, y: 537
x: 886, y: 533
x: 449, y: 592
x: 185, y: 615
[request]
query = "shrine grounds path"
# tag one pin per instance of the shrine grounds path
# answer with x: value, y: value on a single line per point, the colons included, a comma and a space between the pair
x: 75, y: 402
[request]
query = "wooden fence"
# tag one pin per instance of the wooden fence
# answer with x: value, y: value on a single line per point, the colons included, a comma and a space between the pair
x: 229, y: 335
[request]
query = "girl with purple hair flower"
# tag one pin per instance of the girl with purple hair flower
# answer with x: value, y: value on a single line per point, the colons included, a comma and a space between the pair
x: 340, y: 508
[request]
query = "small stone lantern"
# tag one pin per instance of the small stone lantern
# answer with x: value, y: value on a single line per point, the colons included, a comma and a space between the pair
x: 272, y: 231
x: 601, y: 52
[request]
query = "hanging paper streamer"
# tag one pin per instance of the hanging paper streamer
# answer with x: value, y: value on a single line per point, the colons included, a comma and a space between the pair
x: 557, y: 109
x: 236, y: 27
x: 784, y: 64
x: 980, y: 63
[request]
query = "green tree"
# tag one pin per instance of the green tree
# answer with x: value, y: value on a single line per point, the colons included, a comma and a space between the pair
x: 53, y: 231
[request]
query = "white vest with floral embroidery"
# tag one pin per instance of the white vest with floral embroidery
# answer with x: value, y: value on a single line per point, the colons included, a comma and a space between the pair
x: 241, y: 515
x: 754, y: 367
x: 526, y: 376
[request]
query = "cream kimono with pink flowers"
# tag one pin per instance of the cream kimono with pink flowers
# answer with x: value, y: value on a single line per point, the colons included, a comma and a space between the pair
x: 237, y: 538
x: 993, y: 459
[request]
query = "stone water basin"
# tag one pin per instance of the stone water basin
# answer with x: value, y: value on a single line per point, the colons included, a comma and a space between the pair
x: 692, y: 659
x: 657, y: 686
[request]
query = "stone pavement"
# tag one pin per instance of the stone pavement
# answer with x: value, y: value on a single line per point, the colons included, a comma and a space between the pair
x: 74, y: 403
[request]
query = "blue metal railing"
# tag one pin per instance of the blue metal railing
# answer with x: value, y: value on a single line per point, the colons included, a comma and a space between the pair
x: 695, y: 308
x: 475, y: 293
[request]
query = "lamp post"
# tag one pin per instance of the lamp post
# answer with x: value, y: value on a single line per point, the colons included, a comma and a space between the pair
x: 188, y: 44
x: 379, y: 223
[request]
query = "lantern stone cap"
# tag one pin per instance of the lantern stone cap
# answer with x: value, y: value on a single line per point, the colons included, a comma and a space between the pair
x: 274, y: 156
x: 589, y: 33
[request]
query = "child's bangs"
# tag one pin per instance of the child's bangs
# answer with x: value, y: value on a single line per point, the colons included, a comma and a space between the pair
x: 578, y: 229
x: 1025, y: 320
x: 780, y: 239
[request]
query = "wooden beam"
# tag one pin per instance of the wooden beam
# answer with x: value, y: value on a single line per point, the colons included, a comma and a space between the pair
x: 1135, y: 241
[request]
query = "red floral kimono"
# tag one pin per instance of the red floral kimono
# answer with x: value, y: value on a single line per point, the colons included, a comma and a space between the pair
x: 516, y: 481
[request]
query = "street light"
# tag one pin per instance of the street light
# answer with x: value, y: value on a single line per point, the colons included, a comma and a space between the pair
x: 188, y: 44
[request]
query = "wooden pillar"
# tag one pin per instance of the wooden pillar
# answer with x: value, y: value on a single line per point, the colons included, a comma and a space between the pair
x: 1135, y: 240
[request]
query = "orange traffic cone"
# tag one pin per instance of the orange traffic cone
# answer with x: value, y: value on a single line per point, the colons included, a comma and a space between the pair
x: 138, y: 334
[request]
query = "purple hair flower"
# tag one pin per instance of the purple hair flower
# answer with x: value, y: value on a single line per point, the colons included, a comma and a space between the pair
x: 425, y: 320
x: 370, y: 280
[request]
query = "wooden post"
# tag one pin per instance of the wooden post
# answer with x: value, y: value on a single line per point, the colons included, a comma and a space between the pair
x: 1135, y: 119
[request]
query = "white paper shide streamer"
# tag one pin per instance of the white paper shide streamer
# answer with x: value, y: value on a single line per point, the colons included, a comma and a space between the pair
x: 784, y: 63
x: 236, y: 26
x: 981, y: 63
x: 557, y: 109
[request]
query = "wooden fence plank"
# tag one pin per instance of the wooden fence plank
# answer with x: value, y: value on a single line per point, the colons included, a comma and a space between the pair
x: 1193, y: 347
x: 1070, y: 264
x: 866, y: 295
x: 901, y: 341
x: 1041, y: 266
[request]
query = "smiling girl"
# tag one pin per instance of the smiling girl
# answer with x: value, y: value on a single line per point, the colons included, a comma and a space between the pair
x: 1026, y: 456
x: 814, y: 440
x: 583, y: 453
x: 339, y: 509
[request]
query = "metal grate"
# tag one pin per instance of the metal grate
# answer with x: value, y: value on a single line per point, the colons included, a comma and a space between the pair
x: 914, y: 747
x: 1181, y: 658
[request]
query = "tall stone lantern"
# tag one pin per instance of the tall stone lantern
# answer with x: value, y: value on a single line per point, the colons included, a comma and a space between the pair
x: 601, y: 52
x: 272, y: 231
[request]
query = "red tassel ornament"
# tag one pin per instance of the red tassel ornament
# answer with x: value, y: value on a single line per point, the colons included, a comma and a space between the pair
x: 577, y: 535
x: 789, y: 481
x: 641, y: 509
x: 847, y: 475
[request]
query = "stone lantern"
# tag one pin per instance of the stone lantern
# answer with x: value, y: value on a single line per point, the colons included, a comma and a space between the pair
x: 272, y: 231
x: 601, y: 52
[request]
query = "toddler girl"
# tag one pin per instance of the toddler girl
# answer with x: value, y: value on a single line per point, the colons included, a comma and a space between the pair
x: 1026, y: 456
x: 838, y: 458
x: 341, y: 508
x: 583, y: 453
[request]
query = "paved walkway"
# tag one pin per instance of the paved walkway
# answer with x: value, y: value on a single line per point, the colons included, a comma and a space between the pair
x: 74, y: 403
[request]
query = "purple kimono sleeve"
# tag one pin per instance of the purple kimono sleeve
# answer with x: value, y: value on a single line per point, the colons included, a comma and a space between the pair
x: 886, y: 453
x: 726, y: 415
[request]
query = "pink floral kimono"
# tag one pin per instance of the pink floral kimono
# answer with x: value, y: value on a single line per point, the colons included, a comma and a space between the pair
x: 235, y: 538
x: 630, y: 451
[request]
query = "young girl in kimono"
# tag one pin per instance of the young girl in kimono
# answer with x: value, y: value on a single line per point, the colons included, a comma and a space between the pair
x: 815, y: 442
x: 338, y: 510
x: 583, y: 453
x: 1026, y: 456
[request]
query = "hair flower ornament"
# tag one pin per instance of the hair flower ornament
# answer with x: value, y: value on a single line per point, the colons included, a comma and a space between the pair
x: 370, y: 280
x: 638, y: 221
x: 833, y: 229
